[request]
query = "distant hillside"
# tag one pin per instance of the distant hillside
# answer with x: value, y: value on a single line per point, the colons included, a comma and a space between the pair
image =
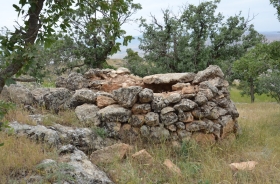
x: 270, y: 36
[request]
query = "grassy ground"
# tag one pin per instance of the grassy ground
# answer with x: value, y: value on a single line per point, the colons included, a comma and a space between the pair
x: 236, y: 97
x: 207, y: 164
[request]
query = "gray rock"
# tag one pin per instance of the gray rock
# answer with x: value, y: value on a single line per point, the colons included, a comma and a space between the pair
x: 168, y: 78
x: 173, y: 98
x: 146, y: 95
x: 152, y: 119
x: 172, y: 128
x: 159, y: 134
x: 167, y: 110
x: 208, y: 85
x: 113, y: 129
x: 158, y: 103
x: 137, y: 120
x: 60, y: 82
x: 114, y: 113
x: 37, y: 133
x: 83, y: 170
x: 232, y: 109
x: 145, y: 131
x: 200, y: 99
x: 168, y: 118
x: 76, y: 81
x: 207, y: 93
x: 209, y: 73
x: 127, y: 97
x: 141, y: 108
x: 184, y: 135
x: 180, y: 125
x: 185, y: 105
x: 57, y: 99
x: 223, y: 102
x: 82, y: 96
x: 20, y: 95
x: 87, y: 113
x: 38, y: 95
x: 185, y: 117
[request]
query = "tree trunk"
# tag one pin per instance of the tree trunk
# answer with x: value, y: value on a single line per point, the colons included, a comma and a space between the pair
x: 29, y: 37
x: 252, y: 91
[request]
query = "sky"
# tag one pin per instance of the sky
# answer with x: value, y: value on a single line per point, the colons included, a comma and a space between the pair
x: 265, y: 14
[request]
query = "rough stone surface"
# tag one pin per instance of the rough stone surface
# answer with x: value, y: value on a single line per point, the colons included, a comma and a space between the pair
x: 203, y: 138
x: 83, y: 171
x: 185, y: 117
x: 56, y: 99
x: 104, y: 101
x: 168, y: 78
x: 20, y: 94
x: 179, y: 86
x: 87, y: 113
x: 82, y: 138
x: 38, y: 94
x: 158, y: 103
x: 110, y: 154
x: 114, y: 113
x: 152, y: 119
x: 171, y: 166
x: 146, y: 95
x: 143, y: 157
x: 75, y: 81
x: 185, y: 105
x: 127, y: 97
x: 82, y: 96
x: 159, y: 133
x: 141, y: 108
x: 137, y: 120
x: 209, y: 73
x: 168, y: 118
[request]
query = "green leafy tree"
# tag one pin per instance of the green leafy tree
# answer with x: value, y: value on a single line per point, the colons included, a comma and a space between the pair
x: 96, y: 29
x: 255, y: 65
x: 196, y: 38
x: 276, y: 4
x: 20, y: 47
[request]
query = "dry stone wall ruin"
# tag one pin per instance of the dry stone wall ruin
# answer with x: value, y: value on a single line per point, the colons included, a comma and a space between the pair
x: 174, y: 106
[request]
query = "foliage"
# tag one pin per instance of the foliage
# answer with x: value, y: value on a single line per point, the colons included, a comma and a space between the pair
x: 276, y: 4
x: 4, y: 108
x: 96, y: 25
x: 196, y: 38
x: 271, y: 85
x: 56, y: 172
x: 255, y: 64
x: 100, y: 132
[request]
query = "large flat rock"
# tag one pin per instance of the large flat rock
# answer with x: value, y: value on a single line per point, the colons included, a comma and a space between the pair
x: 168, y: 78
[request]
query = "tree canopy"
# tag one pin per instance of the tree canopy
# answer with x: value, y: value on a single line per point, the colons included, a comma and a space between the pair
x: 196, y: 38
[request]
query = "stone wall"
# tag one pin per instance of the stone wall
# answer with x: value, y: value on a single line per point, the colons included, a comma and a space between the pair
x: 177, y: 106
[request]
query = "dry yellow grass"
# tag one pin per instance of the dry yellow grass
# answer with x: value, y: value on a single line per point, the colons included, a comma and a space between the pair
x: 19, y: 156
x: 260, y: 141
x: 20, y: 115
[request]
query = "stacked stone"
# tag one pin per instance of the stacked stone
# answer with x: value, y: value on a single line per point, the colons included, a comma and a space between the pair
x: 199, y: 107
x: 176, y: 106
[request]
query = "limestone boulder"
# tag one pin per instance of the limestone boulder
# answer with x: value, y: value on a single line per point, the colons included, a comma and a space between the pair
x: 137, y: 120
x: 57, y: 98
x: 104, y: 101
x: 211, y: 72
x: 87, y: 113
x: 158, y: 103
x: 19, y: 94
x: 146, y: 95
x: 185, y: 117
x: 82, y: 96
x: 143, y: 157
x: 38, y: 94
x: 159, y: 133
x: 75, y: 81
x: 152, y: 119
x: 168, y: 116
x: 141, y: 108
x: 114, y: 113
x: 127, y: 97
x: 110, y: 154
x: 168, y: 78
x: 185, y: 105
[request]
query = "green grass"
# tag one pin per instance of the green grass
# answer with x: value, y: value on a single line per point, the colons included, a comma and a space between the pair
x: 235, y: 96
